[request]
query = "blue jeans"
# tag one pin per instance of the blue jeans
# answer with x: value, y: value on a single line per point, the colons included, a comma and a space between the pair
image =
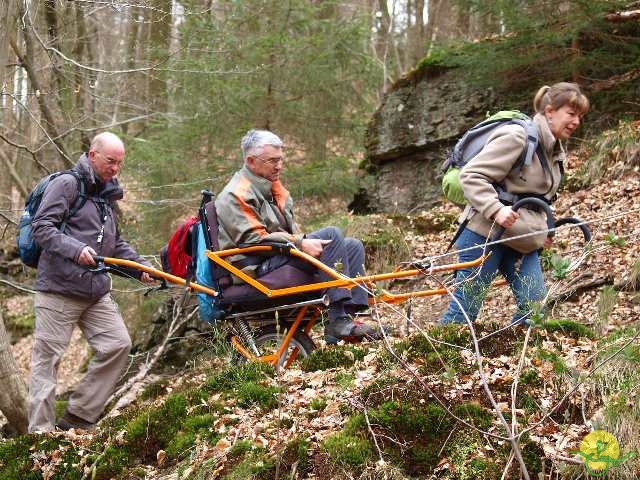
x: 527, y: 283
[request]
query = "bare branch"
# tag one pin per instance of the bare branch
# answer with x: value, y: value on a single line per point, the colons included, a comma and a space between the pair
x: 614, y: 81
x: 628, y: 16
x: 8, y: 219
x: 35, y: 85
x: 17, y: 286
x: 27, y: 149
x: 153, y: 67
x: 14, y: 175
x: 131, y: 388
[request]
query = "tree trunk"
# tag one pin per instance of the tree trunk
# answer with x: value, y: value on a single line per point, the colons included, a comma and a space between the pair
x: 13, y: 394
x: 160, y: 38
x: 418, y: 40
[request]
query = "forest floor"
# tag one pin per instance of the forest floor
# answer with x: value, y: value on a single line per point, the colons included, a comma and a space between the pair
x: 569, y: 387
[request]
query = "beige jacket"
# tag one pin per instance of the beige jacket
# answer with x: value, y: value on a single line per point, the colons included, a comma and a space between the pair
x: 494, y: 165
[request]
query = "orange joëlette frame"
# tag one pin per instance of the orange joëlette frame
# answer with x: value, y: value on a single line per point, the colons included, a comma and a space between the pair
x: 339, y: 280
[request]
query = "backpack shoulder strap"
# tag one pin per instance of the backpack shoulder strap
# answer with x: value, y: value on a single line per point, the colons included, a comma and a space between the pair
x: 80, y: 200
x: 532, y: 142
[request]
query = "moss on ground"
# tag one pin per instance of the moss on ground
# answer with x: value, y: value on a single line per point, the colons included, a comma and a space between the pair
x: 475, y: 414
x: 333, y: 357
x: 570, y: 328
x: 255, y: 394
x: 466, y: 453
x: 348, y: 449
x: 20, y: 326
x: 421, y: 427
x: 436, y: 354
x: 169, y: 428
x: 558, y: 363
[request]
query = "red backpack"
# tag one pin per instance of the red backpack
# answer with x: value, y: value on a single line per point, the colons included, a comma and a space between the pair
x: 177, y: 255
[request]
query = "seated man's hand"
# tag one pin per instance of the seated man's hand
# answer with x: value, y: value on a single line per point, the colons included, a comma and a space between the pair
x: 313, y: 246
x: 146, y: 278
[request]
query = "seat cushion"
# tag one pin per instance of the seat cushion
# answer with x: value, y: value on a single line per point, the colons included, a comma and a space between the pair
x: 283, y: 277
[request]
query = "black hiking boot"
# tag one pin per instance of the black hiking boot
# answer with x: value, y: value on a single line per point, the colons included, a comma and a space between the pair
x: 345, y: 328
x: 68, y: 421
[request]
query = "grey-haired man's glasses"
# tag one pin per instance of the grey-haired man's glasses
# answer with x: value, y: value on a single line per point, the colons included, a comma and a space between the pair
x: 273, y: 161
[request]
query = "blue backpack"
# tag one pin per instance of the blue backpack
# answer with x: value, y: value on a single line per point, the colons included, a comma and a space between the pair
x: 28, y: 249
x: 206, y: 272
x: 210, y: 307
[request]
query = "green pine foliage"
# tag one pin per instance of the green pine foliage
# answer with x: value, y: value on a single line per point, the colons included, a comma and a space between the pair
x: 543, y: 42
x: 298, y: 68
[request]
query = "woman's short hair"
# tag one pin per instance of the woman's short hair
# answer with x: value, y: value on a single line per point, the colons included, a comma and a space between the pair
x: 559, y: 95
x: 254, y: 140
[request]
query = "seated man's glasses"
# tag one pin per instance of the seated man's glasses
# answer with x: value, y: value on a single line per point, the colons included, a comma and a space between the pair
x: 272, y: 161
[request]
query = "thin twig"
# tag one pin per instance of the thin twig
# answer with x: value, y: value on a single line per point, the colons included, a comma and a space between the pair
x: 27, y: 289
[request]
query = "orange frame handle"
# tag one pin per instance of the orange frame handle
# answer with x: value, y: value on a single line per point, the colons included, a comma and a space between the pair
x: 339, y: 280
x: 121, y: 262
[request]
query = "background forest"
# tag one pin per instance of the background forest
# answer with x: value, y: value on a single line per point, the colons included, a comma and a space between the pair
x: 182, y: 81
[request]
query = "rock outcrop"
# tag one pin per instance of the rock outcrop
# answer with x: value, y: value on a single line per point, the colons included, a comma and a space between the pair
x: 409, y: 135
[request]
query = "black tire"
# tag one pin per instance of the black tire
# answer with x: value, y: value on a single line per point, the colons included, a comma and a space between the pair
x: 268, y: 337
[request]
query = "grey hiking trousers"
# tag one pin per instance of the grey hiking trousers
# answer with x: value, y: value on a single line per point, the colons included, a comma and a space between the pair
x: 102, y: 325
